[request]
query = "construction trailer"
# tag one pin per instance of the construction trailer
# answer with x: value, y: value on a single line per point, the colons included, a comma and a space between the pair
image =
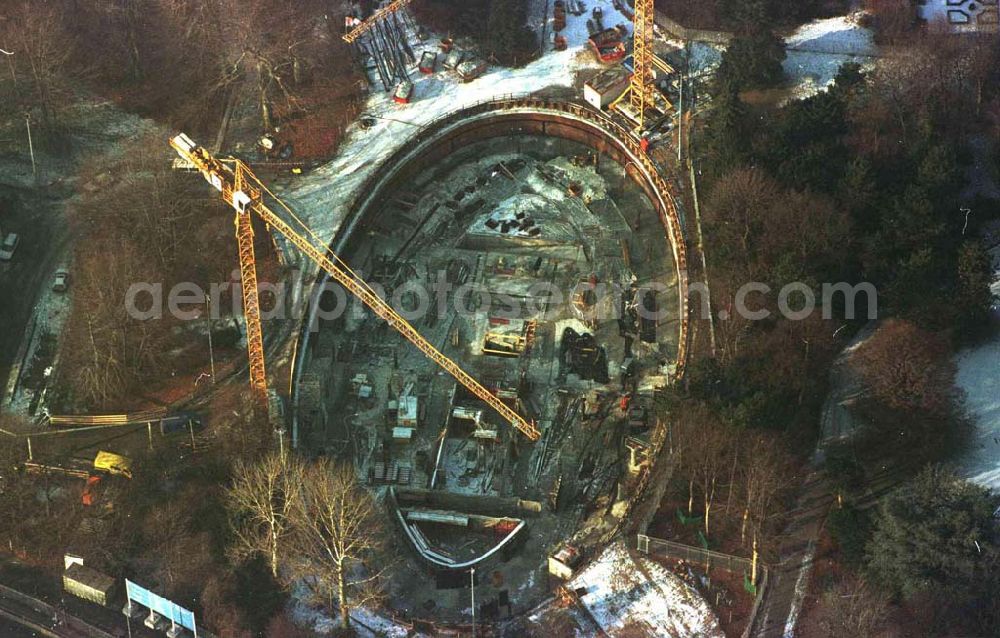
x: 608, y: 44
x: 605, y: 87
x: 564, y: 562
x: 471, y: 69
x: 89, y: 584
x: 403, y: 93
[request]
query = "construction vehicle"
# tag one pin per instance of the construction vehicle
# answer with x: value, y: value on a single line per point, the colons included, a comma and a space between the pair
x: 114, y: 464
x: 608, y: 44
x: 106, y: 463
x: 242, y: 190
x: 403, y: 93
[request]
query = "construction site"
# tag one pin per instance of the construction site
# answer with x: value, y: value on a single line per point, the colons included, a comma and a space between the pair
x: 523, y: 245
x: 449, y: 377
x: 491, y: 322
x: 494, y: 309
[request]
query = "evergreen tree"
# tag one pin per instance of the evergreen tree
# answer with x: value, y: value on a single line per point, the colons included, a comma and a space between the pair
x: 727, y: 132
x: 753, y: 59
x: 850, y: 529
x: 973, y: 297
x: 506, y: 34
x: 936, y: 535
x: 857, y: 191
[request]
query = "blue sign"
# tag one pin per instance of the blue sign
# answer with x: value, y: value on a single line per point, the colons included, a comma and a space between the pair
x: 168, y: 609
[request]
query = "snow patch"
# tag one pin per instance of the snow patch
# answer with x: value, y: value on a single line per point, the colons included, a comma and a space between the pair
x: 978, y: 376
x: 817, y: 50
x: 624, y: 595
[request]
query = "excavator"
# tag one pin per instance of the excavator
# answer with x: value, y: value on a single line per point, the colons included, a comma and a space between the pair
x: 246, y: 194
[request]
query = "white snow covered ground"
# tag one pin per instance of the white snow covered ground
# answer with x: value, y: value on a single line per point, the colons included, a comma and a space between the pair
x: 979, y: 377
x: 817, y: 50
x: 815, y: 53
x: 323, y: 197
x: 624, y: 598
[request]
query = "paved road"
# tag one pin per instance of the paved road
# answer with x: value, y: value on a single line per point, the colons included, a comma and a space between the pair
x: 40, y: 224
x: 34, y: 596
x: 789, y: 580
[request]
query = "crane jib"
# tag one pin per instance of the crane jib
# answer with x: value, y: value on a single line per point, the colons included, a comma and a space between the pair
x: 233, y: 184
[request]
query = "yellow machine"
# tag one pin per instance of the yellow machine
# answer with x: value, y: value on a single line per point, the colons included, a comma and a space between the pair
x: 241, y: 189
x: 113, y: 464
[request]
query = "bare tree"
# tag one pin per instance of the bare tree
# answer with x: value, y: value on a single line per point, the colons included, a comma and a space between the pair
x: 41, y: 46
x: 15, y: 488
x: 140, y: 225
x: 908, y: 369
x: 764, y: 475
x: 893, y: 19
x: 853, y: 608
x: 261, y: 502
x: 340, y: 539
x: 255, y: 43
x: 704, y: 451
x: 711, y: 464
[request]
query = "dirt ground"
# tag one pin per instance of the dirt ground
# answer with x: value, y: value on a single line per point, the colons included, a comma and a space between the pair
x: 723, y: 590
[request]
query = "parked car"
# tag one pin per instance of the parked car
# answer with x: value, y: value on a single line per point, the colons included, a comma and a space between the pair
x: 8, y: 247
x: 60, y: 283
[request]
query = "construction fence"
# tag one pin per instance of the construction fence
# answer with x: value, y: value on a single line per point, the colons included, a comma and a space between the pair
x: 698, y: 556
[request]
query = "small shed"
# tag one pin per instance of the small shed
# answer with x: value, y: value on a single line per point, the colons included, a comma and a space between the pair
x: 605, y: 87
x: 89, y: 584
x: 563, y: 563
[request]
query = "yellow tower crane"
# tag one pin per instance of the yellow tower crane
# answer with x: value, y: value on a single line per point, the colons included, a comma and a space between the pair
x: 641, y: 84
x: 241, y: 189
x: 641, y: 94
